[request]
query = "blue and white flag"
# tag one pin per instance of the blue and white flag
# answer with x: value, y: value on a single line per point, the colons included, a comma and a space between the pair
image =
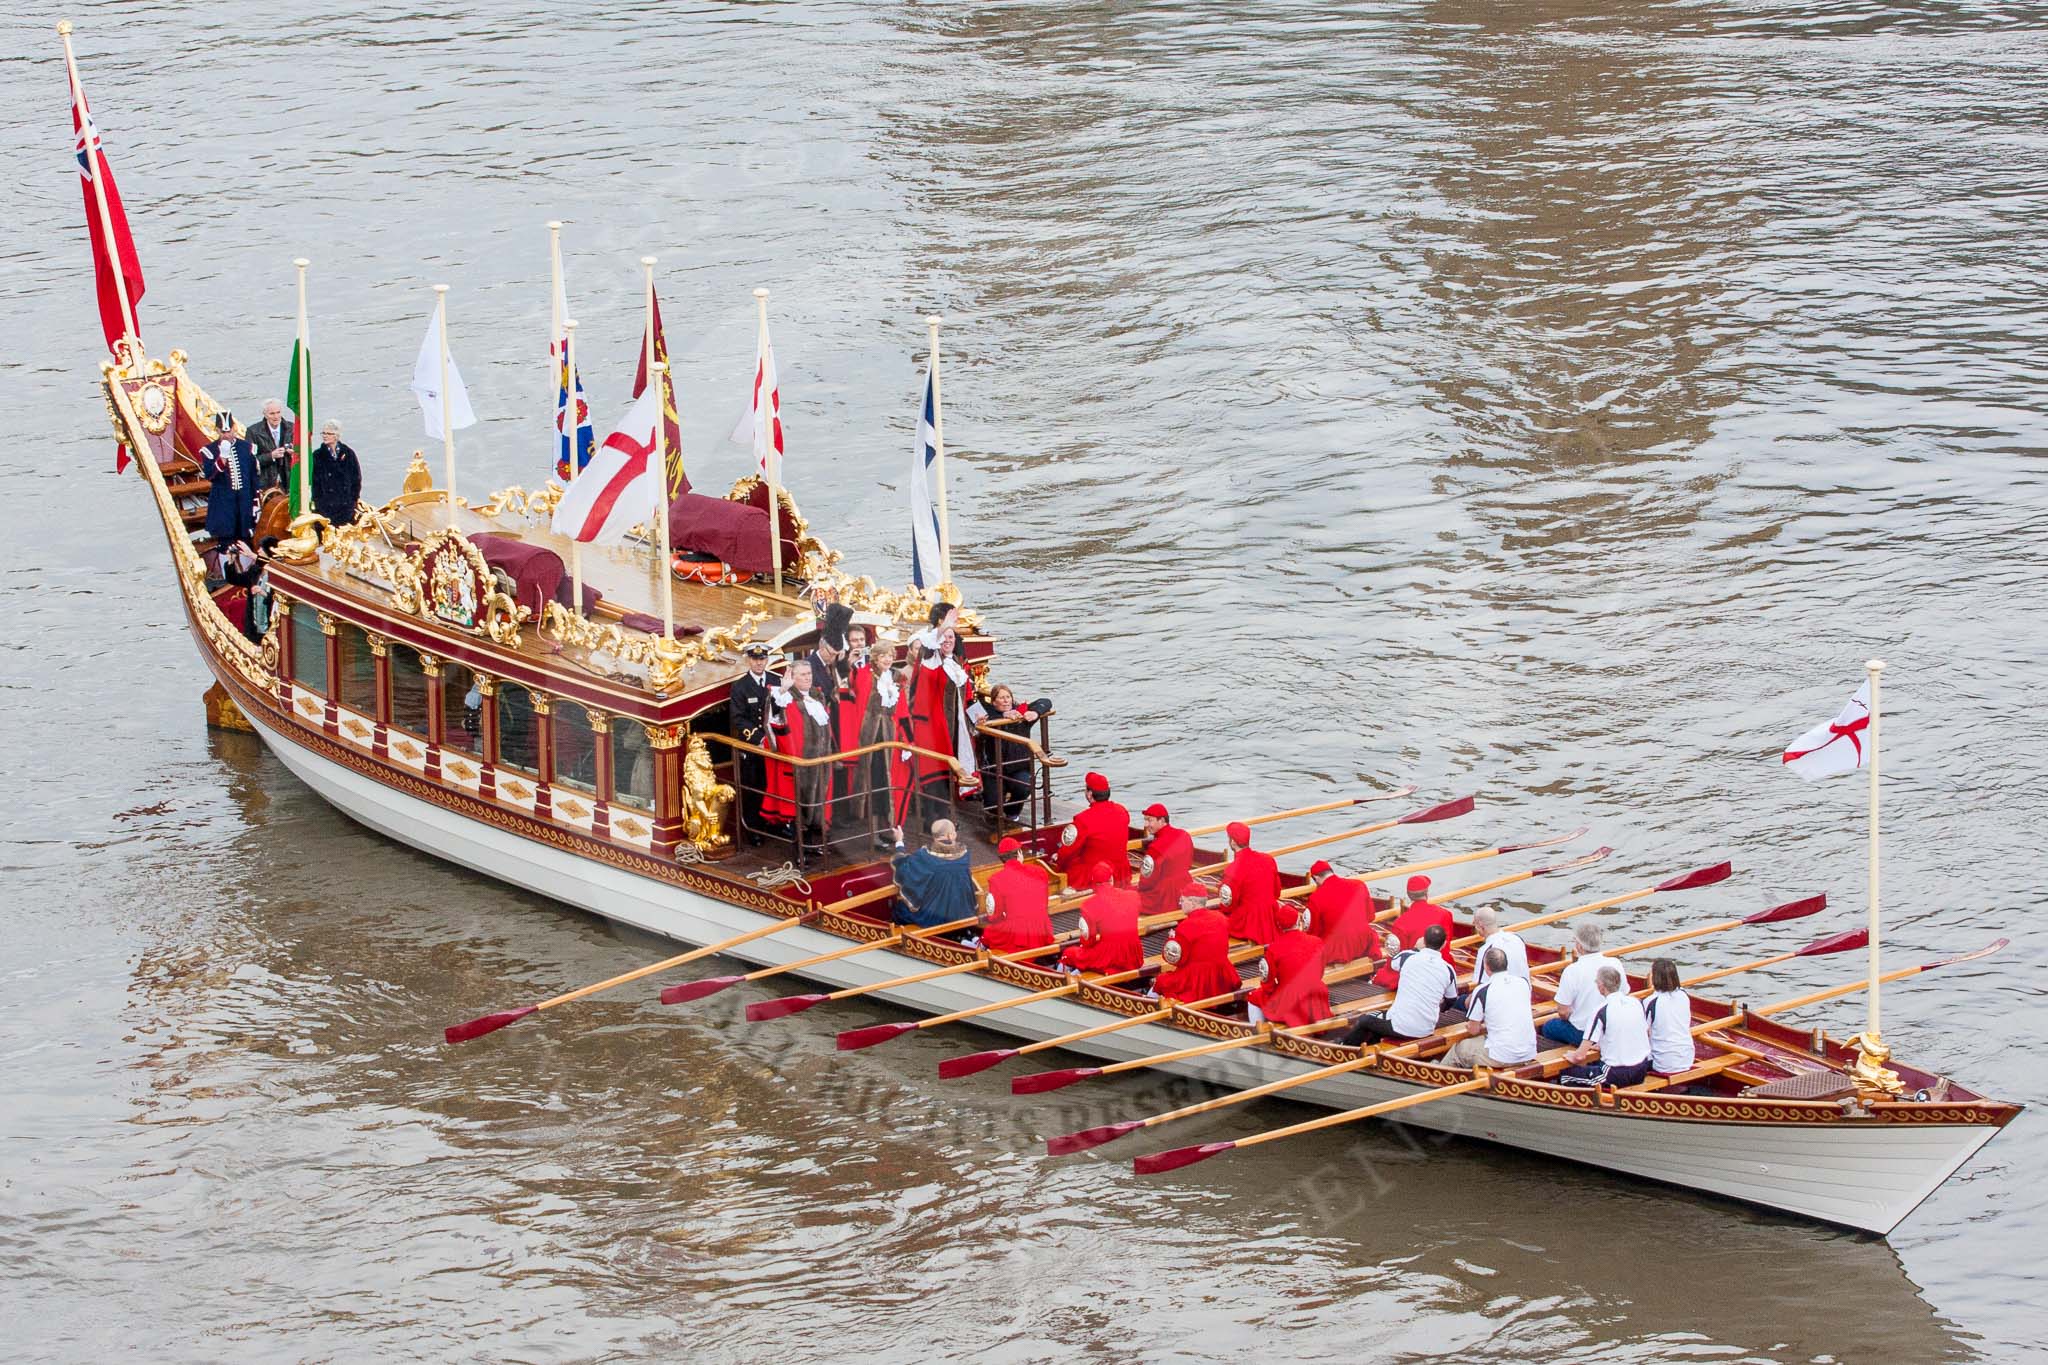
x: 924, y: 517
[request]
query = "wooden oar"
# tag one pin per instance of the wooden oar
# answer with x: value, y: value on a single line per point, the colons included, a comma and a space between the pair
x: 491, y: 1023
x: 854, y: 1039
x: 969, y: 1065
x: 1087, y: 1138
x: 1188, y: 1156
x: 1039, y: 1082
x: 1443, y: 810
x: 712, y: 985
x: 1452, y: 860
x: 1344, y: 804
x: 783, y: 1006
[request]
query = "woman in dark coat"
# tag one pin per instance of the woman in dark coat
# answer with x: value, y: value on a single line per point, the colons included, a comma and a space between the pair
x: 337, y: 478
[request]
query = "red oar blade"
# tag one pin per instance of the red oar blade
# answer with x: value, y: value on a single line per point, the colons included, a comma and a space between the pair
x: 489, y: 1023
x: 1799, y: 909
x: 1704, y: 876
x: 1156, y: 1162
x: 1066, y: 1144
x: 854, y: 1039
x: 1038, y: 1082
x: 697, y: 990
x: 955, y: 1067
x: 1445, y: 811
x: 1985, y: 951
x: 1581, y: 832
x: 782, y: 1007
x: 1583, y: 860
x: 1846, y: 941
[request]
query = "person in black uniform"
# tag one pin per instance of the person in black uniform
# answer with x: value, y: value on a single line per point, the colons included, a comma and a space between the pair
x: 749, y: 710
x: 229, y: 465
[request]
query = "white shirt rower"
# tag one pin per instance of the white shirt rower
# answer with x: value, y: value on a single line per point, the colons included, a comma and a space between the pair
x: 1620, y: 1029
x: 1503, y: 1005
x: 1670, y: 1013
x: 1486, y: 921
x: 1427, y: 981
x: 1578, y: 995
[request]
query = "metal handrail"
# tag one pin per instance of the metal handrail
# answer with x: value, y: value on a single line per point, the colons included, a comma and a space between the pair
x: 840, y: 756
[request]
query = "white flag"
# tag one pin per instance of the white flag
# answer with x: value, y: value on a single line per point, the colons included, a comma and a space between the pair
x: 426, y: 383
x: 760, y: 426
x: 924, y: 518
x: 621, y: 486
x: 1840, y: 746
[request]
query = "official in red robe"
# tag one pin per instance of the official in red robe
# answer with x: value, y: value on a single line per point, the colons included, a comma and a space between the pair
x: 1109, y: 932
x: 1251, y: 888
x: 1163, y: 871
x: 1340, y: 913
x: 1197, y: 953
x: 1411, y: 924
x: 1019, y: 896
x: 1293, y: 993
x: 800, y: 728
x: 1099, y: 835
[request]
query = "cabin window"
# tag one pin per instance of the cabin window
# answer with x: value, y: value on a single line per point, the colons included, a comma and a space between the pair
x: 309, y: 649
x: 408, y: 691
x: 575, y: 748
x: 358, y: 670
x: 632, y: 765
x: 518, y: 730
x: 462, y: 716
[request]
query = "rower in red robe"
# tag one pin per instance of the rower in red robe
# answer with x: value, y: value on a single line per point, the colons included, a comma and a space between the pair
x: 1251, y: 888
x: 1197, y: 952
x: 1411, y: 924
x: 1163, y: 871
x: 1099, y: 835
x: 1109, y: 929
x: 1293, y: 993
x: 1341, y: 913
x: 1018, y: 916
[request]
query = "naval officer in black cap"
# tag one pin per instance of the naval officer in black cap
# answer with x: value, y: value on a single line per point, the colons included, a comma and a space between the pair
x: 749, y: 708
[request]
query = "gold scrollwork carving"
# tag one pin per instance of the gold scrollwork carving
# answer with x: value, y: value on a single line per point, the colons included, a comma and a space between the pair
x: 418, y: 477
x: 600, y: 721
x: 667, y: 736
x: 543, y: 704
x: 486, y: 685
x: 430, y: 665
x: 328, y: 625
x: 379, y: 646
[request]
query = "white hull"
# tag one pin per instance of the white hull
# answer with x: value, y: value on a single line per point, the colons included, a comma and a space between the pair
x: 1865, y: 1177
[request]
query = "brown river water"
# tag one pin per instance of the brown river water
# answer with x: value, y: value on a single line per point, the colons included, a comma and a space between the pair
x: 1554, y: 400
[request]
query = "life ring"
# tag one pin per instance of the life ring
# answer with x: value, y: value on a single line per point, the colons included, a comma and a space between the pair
x: 702, y: 570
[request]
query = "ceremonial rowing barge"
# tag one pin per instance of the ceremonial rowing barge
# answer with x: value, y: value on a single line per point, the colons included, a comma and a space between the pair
x: 424, y: 666
x: 612, y: 798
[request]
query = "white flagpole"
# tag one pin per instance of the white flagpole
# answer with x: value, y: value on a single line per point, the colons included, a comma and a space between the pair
x: 1875, y: 667
x: 303, y: 438
x: 939, y: 445
x: 555, y: 313
x: 1870, y: 1070
x: 569, y: 420
x: 447, y: 425
x: 657, y: 373
x: 133, y: 337
x: 764, y: 434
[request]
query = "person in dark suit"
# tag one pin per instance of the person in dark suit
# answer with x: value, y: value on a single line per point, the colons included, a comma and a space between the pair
x: 230, y: 468
x: 274, y: 439
x: 749, y: 704
x: 337, y: 477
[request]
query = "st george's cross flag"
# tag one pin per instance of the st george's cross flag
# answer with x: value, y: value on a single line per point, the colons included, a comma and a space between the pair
x: 1837, y: 747
x: 760, y: 426
x: 622, y: 484
x: 924, y: 518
